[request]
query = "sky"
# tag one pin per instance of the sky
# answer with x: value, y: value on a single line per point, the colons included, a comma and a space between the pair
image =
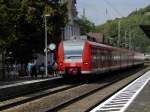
x: 99, y: 11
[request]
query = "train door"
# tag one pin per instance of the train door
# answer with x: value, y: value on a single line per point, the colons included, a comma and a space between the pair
x: 109, y: 58
x: 120, y: 58
x: 99, y: 58
x: 112, y: 59
x: 102, y: 59
x: 116, y: 59
x: 105, y: 58
x: 93, y: 58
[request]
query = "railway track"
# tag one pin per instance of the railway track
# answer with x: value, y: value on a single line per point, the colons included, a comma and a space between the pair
x: 27, y: 98
x: 72, y: 97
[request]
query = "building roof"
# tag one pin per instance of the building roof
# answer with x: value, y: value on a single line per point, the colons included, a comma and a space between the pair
x: 96, y: 37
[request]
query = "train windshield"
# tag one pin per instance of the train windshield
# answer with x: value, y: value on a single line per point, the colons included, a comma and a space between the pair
x: 73, y: 53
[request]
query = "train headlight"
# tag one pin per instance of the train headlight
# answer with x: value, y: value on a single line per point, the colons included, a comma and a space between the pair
x: 60, y: 63
x: 85, y: 63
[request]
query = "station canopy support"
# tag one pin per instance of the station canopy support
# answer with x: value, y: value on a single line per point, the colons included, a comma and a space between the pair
x: 146, y: 29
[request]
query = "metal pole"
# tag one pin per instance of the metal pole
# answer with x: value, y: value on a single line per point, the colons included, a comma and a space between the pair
x: 3, y: 63
x: 62, y: 34
x: 130, y: 40
x: 119, y: 33
x: 125, y: 39
x: 46, y: 60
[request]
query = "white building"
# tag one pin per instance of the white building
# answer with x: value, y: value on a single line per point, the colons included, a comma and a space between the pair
x: 72, y: 28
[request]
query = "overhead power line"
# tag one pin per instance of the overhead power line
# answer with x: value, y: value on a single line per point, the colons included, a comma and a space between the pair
x: 114, y: 8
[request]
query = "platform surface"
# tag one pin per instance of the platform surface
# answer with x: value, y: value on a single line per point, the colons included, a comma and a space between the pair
x: 24, y: 85
x: 135, y: 97
x: 142, y: 102
x: 23, y: 80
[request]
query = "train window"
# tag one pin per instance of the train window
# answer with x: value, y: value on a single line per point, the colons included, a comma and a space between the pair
x: 73, y: 53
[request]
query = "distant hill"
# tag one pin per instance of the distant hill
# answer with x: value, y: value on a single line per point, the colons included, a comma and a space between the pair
x: 131, y: 36
x: 141, y: 11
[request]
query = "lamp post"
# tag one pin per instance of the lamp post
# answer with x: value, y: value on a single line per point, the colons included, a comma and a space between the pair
x: 46, y: 59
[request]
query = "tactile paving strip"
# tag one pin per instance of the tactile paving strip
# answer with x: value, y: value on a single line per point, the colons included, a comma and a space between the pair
x: 122, y: 99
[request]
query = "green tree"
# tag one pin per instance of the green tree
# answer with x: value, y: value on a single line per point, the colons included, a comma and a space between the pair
x: 85, y: 25
x: 8, y: 18
x: 22, y: 22
x: 135, y: 37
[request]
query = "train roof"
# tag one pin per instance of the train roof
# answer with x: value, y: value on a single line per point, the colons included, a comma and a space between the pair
x: 109, y: 47
x: 82, y: 42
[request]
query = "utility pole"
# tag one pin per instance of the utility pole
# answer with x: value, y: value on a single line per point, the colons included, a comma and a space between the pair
x: 130, y: 40
x: 119, y: 26
x: 84, y: 13
x: 46, y: 59
x: 125, y: 39
x: 3, y: 63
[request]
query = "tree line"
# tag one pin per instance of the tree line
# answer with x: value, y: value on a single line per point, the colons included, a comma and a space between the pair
x: 131, y: 35
x: 22, y: 26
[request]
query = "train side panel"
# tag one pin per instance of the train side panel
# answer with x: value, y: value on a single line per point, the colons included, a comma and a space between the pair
x: 61, y: 58
x: 115, y: 59
x: 139, y: 59
x: 71, y: 60
x: 87, y: 63
x: 85, y: 57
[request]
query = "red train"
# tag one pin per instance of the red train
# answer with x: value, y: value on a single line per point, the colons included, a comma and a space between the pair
x: 86, y: 57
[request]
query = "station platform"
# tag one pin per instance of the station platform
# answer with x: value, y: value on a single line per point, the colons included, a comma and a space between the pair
x: 142, y: 102
x: 24, y: 85
x: 21, y: 79
x: 133, y: 98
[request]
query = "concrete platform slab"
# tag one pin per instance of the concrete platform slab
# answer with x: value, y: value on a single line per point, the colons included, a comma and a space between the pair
x: 135, y: 97
x: 142, y: 101
x: 20, y: 87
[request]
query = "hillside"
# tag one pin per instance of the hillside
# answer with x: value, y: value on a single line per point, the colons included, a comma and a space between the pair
x: 131, y: 36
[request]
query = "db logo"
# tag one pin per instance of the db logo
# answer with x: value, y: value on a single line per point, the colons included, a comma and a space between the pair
x: 72, y: 64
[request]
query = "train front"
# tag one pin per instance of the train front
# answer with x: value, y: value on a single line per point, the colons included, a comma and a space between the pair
x: 73, y: 58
